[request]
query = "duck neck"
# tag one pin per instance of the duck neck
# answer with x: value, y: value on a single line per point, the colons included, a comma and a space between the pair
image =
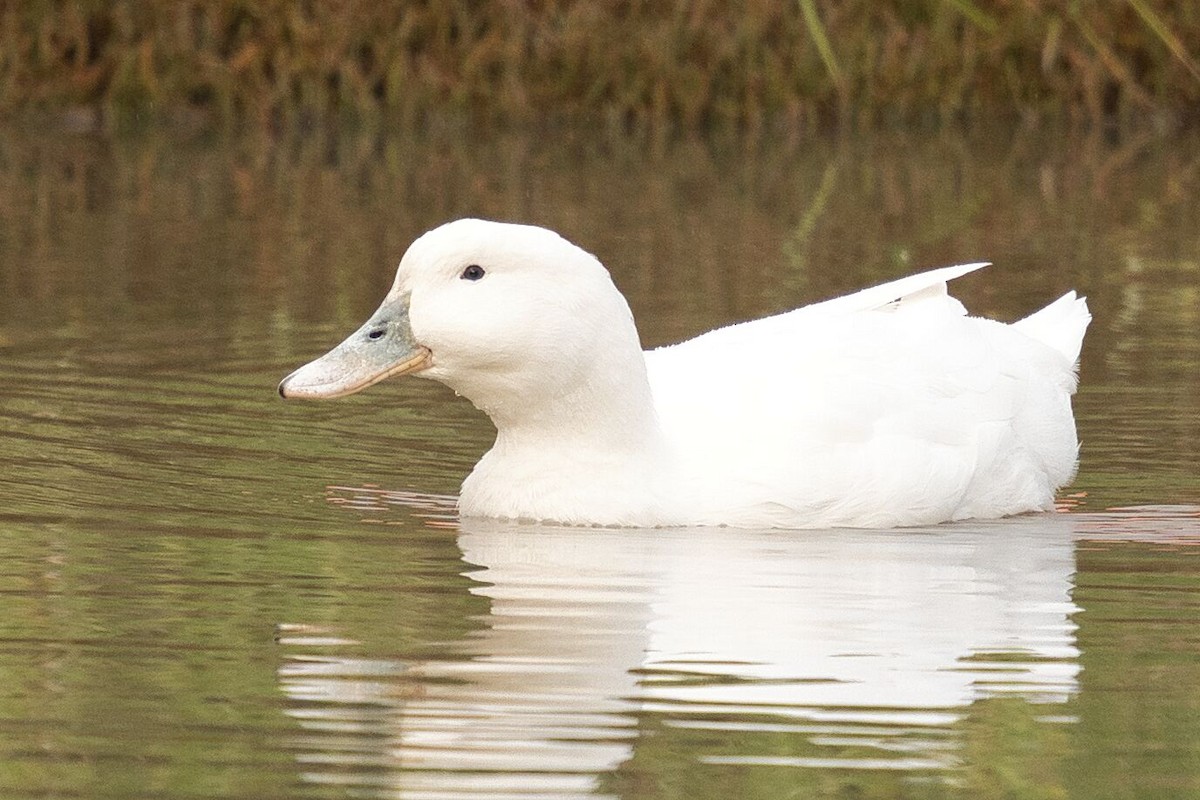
x: 608, y: 409
x: 588, y: 450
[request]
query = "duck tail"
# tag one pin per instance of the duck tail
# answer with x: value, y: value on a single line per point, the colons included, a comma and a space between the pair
x: 1060, y: 325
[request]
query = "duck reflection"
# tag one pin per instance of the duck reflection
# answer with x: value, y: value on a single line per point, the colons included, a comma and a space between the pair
x: 590, y: 631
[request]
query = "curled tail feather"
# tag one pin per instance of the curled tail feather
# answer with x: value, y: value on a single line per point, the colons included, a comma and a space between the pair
x: 1060, y: 325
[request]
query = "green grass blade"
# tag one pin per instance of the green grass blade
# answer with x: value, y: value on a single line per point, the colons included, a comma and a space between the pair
x: 979, y: 18
x: 816, y: 30
x: 1159, y: 28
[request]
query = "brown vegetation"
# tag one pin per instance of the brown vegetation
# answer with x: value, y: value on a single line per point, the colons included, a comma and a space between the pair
x: 632, y: 64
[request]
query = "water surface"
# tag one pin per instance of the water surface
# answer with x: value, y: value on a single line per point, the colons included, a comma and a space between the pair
x: 212, y: 593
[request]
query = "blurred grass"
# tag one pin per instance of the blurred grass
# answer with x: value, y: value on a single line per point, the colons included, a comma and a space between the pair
x: 629, y: 65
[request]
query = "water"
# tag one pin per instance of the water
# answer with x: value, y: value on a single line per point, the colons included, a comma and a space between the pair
x: 208, y: 592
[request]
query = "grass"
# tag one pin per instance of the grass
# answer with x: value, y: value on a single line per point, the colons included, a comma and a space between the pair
x: 632, y: 64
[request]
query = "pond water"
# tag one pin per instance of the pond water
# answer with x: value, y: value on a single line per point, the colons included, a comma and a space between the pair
x: 208, y: 592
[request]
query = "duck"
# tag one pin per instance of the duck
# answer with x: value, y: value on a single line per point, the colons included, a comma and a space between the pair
x: 887, y: 407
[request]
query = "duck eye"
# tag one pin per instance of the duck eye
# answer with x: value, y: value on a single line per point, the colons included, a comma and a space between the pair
x: 472, y: 273
x: 376, y: 334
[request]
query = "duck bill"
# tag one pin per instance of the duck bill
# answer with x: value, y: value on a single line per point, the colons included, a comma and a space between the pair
x: 384, y: 346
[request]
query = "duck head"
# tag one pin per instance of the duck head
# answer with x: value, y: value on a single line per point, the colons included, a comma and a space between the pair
x: 509, y: 316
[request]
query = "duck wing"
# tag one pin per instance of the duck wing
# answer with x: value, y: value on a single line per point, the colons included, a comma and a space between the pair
x: 912, y: 289
x: 886, y: 407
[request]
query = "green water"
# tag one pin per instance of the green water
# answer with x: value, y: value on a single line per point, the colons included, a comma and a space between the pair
x: 208, y: 592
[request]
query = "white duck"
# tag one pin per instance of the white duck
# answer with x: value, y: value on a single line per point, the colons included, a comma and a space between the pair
x: 887, y: 407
